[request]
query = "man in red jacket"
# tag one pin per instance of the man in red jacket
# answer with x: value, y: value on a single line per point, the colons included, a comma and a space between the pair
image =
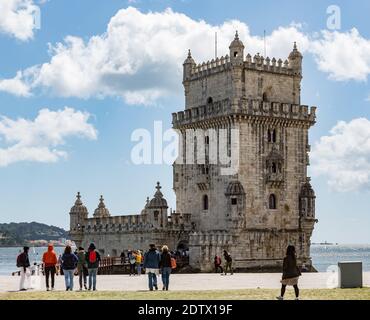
x: 50, y: 260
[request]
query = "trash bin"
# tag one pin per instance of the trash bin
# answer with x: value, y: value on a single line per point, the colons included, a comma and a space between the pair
x: 350, y: 274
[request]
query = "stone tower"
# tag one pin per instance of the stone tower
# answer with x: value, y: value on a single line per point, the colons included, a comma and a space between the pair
x: 249, y: 107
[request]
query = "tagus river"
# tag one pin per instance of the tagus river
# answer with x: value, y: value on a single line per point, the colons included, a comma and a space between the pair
x: 323, y: 256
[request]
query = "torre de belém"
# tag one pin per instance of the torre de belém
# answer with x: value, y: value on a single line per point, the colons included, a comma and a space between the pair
x: 254, y: 212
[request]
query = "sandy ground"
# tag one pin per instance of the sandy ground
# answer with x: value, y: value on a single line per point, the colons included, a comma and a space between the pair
x: 189, y: 282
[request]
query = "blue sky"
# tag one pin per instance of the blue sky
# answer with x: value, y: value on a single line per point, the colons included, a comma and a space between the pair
x: 102, y: 73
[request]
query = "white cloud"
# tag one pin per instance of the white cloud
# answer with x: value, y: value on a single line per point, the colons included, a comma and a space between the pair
x: 345, y: 56
x: 344, y: 156
x: 140, y: 56
x: 16, y: 86
x: 17, y: 18
x: 39, y: 140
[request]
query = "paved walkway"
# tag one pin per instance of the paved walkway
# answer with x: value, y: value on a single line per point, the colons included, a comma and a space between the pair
x: 188, y: 282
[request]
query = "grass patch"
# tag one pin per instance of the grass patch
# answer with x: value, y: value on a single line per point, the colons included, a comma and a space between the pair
x: 248, y: 294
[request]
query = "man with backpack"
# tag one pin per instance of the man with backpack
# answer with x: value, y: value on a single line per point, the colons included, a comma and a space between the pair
x: 23, y: 263
x: 92, y: 259
x: 228, y: 262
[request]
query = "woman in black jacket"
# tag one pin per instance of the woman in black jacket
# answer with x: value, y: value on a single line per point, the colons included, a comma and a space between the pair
x: 291, y: 273
x: 165, y: 265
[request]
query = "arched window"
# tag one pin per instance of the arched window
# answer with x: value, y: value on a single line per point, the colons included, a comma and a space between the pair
x: 206, y: 139
x: 156, y: 215
x: 264, y: 96
x: 274, y: 135
x: 209, y: 100
x: 272, y: 201
x: 273, y: 167
x: 205, y: 202
x: 271, y: 135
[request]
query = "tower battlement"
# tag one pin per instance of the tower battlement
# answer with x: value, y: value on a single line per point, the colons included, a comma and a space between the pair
x: 247, y: 107
x: 258, y: 63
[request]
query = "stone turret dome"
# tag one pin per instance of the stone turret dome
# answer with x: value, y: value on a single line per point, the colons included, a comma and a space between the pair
x: 236, y: 43
x: 78, y: 207
x: 307, y: 191
x: 295, y: 53
x: 101, y: 211
x: 158, y: 201
x: 189, y: 59
x: 235, y: 188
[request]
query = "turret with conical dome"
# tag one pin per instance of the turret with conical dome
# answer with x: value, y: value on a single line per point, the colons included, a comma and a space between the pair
x: 157, y: 209
x: 295, y: 60
x: 101, y: 211
x: 236, y: 50
x: 78, y: 214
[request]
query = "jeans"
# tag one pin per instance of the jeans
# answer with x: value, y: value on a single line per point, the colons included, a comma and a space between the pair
x: 50, y: 271
x: 166, y: 277
x: 218, y: 267
x: 229, y: 265
x: 82, y: 277
x: 68, y: 277
x: 138, y: 266
x: 152, y: 280
x: 132, y: 268
x: 92, y: 278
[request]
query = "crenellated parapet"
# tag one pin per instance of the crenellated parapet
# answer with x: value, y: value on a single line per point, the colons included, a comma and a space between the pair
x: 131, y: 223
x: 247, y: 107
x: 256, y: 63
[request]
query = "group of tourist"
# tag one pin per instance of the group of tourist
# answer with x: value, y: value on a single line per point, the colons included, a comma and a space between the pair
x: 227, y: 266
x: 154, y: 262
x: 135, y: 259
x: 86, y: 264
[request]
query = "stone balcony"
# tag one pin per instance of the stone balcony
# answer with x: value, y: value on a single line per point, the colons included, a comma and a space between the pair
x: 246, y: 107
x: 275, y: 179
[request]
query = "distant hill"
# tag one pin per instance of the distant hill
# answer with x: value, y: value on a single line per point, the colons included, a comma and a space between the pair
x: 18, y: 234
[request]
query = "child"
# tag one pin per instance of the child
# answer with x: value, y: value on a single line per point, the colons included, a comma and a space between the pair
x: 291, y: 273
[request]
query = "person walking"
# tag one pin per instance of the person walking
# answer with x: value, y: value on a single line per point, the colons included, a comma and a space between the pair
x: 218, y: 264
x: 69, y: 264
x: 132, y: 261
x: 291, y: 273
x: 228, y: 262
x: 139, y: 260
x: 93, y: 260
x: 82, y: 268
x: 166, y: 267
x: 23, y: 263
x: 151, y: 264
x: 50, y: 261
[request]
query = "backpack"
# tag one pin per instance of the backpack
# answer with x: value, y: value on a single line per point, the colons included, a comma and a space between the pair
x: 173, y: 263
x: 20, y: 260
x: 218, y: 260
x: 228, y: 258
x: 92, y: 256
